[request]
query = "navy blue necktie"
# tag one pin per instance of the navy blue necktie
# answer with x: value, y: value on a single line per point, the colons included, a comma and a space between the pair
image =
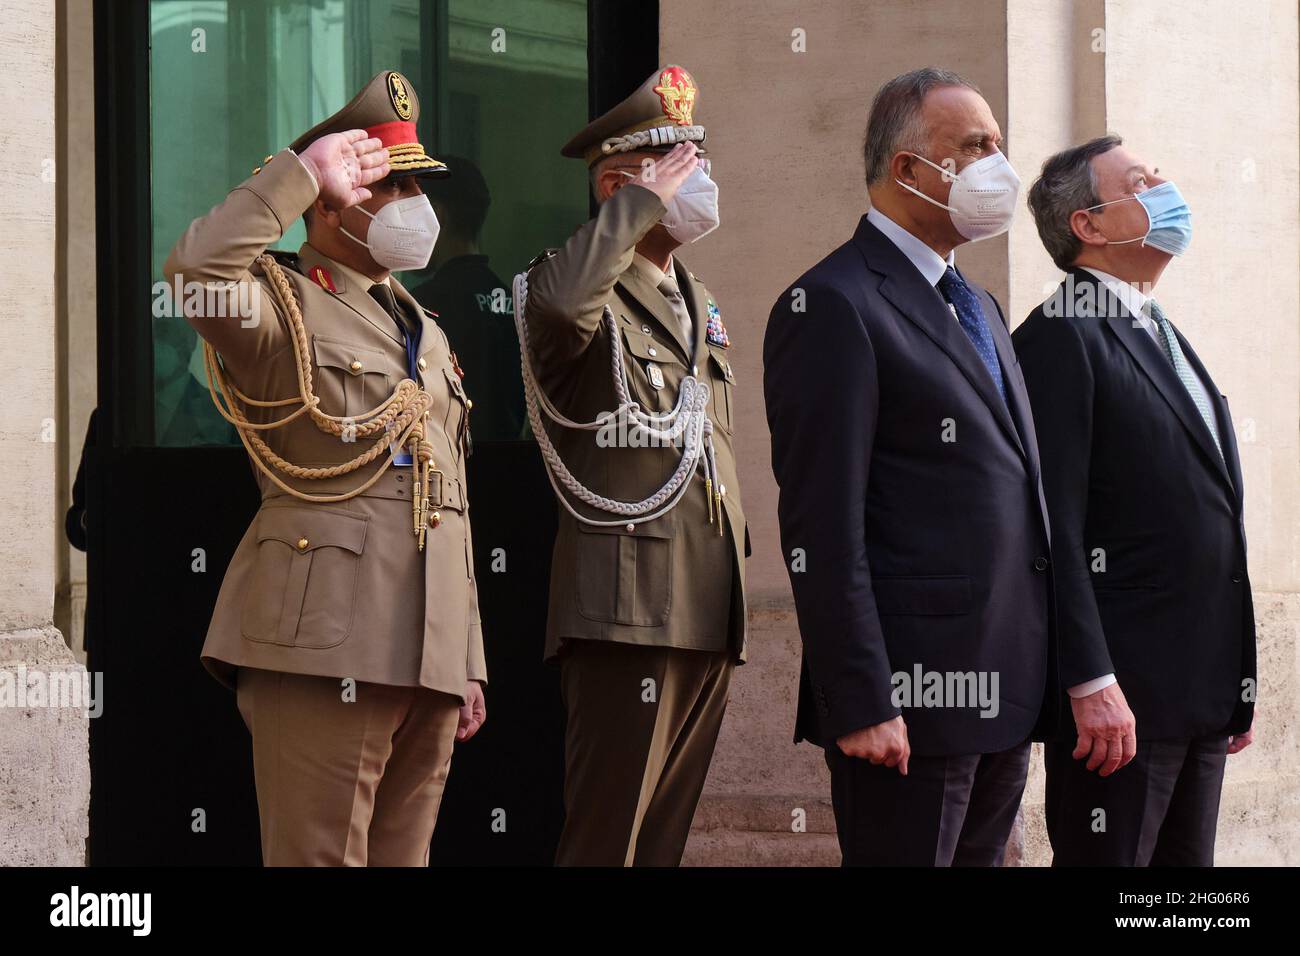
x: 971, y: 318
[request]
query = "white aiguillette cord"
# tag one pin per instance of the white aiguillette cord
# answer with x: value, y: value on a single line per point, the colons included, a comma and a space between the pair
x: 688, y: 417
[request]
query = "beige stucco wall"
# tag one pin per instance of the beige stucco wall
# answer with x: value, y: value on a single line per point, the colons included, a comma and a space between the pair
x: 1216, y: 109
x: 77, y: 274
x: 44, y: 768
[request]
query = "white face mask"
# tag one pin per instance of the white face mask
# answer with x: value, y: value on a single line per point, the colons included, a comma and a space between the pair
x: 692, y: 213
x: 983, y: 198
x: 402, y: 235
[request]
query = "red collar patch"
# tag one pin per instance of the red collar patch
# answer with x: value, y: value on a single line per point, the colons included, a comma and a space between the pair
x: 321, y: 276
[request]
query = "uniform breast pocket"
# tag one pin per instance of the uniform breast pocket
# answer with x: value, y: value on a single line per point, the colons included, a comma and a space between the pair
x: 723, y: 382
x: 353, y: 379
x: 302, y: 589
x: 654, y: 371
x: 626, y: 578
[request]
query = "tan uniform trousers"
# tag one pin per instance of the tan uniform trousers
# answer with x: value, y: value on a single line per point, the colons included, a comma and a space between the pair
x: 636, y: 753
x: 346, y: 784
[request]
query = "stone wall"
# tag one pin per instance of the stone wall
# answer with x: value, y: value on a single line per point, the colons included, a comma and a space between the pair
x: 44, y: 768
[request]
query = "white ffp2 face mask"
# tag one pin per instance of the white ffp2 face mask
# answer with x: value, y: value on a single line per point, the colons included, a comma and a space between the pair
x: 402, y: 235
x: 982, y: 201
x: 692, y: 213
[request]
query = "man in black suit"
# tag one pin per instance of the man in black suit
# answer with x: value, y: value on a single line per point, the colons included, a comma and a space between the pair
x: 1144, y: 488
x: 911, y: 512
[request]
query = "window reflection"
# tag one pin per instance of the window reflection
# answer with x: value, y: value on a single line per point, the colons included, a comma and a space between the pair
x: 473, y: 304
x: 502, y: 84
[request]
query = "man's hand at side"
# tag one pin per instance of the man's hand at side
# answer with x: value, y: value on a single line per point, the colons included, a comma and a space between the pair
x: 1107, y: 729
x: 473, y: 713
x: 1239, y: 742
x: 880, y: 743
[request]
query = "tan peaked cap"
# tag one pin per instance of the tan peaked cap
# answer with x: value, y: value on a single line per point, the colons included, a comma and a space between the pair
x: 388, y: 108
x: 658, y: 116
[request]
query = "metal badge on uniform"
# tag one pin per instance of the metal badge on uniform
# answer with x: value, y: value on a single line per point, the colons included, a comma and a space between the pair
x: 656, y: 375
x: 715, y: 331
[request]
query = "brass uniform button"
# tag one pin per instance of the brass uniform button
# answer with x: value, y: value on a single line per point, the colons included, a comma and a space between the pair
x: 469, y: 404
x: 423, y: 364
x: 435, y: 519
x: 302, y: 544
x: 355, y: 366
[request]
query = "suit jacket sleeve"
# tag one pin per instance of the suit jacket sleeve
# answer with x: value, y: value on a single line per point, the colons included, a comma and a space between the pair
x: 567, y: 293
x: 822, y: 402
x: 1060, y: 382
x: 217, y: 251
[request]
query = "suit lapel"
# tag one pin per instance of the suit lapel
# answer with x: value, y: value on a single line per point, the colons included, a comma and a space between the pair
x: 1231, y: 460
x: 1017, y: 397
x: 920, y: 303
x: 1151, y: 358
x: 653, y: 301
x: 349, y: 293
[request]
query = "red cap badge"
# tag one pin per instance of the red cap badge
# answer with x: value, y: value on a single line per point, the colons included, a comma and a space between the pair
x: 677, y: 91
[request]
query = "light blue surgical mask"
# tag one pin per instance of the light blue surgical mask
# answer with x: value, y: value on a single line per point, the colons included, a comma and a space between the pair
x: 1169, y: 220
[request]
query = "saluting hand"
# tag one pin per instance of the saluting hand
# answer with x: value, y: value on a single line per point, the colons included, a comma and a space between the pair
x: 344, y: 164
x: 665, y: 176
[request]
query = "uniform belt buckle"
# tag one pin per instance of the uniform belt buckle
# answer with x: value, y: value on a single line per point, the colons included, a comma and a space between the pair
x: 436, y: 481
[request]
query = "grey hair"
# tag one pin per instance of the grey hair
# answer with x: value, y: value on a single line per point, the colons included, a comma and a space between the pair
x: 1065, y: 185
x: 896, y: 123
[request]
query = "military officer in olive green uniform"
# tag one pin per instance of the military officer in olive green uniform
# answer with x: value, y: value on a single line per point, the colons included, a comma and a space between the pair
x: 647, y: 612
x: 348, y: 618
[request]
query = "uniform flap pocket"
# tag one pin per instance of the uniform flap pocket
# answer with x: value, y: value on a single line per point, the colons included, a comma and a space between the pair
x: 923, y: 594
x: 305, y: 529
x: 353, y: 359
x: 660, y: 527
x: 718, y: 356
x: 644, y: 347
x: 454, y: 383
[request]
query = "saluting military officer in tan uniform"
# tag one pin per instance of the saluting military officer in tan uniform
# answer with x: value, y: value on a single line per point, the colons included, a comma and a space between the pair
x: 647, y: 611
x: 347, y: 621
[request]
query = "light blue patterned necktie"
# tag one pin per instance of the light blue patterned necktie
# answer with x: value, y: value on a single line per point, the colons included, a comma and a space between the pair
x: 1174, y: 352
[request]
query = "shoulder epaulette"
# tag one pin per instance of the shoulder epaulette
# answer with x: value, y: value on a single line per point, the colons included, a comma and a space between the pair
x: 542, y: 257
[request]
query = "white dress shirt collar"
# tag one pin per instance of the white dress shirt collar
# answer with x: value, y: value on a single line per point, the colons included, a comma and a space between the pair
x: 1129, y: 295
x: 928, y: 262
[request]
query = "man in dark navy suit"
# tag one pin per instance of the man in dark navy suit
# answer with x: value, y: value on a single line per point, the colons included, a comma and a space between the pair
x: 1144, y: 484
x: 911, y: 512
